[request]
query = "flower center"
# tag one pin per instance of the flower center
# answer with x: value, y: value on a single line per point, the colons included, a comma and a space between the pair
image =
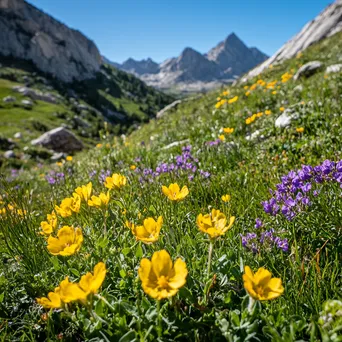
x: 163, y: 282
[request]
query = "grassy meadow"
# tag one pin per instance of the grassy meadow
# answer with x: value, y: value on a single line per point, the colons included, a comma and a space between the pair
x: 209, y: 224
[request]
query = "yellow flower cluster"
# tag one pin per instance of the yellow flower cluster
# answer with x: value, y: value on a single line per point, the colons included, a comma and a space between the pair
x: 286, y: 77
x: 68, y: 292
x: 221, y: 102
x: 228, y: 130
x: 253, y: 117
x: 11, y: 209
x: 115, y: 182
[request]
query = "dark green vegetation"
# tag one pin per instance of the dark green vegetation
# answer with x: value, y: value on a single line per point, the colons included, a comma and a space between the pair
x: 115, y: 97
x: 210, y: 307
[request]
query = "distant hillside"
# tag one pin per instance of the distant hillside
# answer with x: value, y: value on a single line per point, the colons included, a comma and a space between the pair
x: 32, y: 102
x: 195, y: 71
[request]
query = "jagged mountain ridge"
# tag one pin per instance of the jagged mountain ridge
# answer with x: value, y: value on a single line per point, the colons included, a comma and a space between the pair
x: 30, y: 34
x: 327, y: 23
x: 229, y: 59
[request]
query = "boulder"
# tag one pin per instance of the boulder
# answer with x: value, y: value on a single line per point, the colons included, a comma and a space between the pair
x: 60, y: 140
x: 286, y: 118
x: 308, y: 70
x: 9, y: 99
x: 9, y: 154
x: 334, y: 68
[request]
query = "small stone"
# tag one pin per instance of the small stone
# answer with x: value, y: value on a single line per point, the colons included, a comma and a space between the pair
x: 9, y: 154
x: 9, y: 99
x: 27, y: 103
x: 17, y: 135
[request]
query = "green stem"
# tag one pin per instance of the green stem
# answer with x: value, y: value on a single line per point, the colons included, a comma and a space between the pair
x: 211, y: 246
x: 251, y: 304
x: 159, y: 321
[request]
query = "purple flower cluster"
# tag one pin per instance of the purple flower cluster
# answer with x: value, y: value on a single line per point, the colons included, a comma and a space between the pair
x: 214, y: 142
x: 185, y: 163
x: 103, y: 174
x: 266, y: 239
x: 55, y: 177
x: 292, y: 194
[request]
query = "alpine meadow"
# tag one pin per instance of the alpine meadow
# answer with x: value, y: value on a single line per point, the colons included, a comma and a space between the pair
x: 217, y: 219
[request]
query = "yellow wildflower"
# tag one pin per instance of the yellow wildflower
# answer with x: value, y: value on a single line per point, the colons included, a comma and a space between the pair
x: 68, y: 158
x: 274, y: 92
x: 268, y: 112
x: 225, y: 198
x: 222, y: 137
x: 90, y: 283
x: 100, y: 201
x: 69, y: 205
x: 52, y: 301
x: 261, y: 285
x: 174, y: 193
x: 98, y: 145
x: 247, y: 93
x: 68, y: 241
x: 161, y: 278
x: 232, y: 100
x: 228, y: 130
x: 50, y: 225
x: 214, y: 224
x: 300, y: 129
x: 116, y: 182
x: 149, y: 231
x: 132, y: 167
x: 84, y: 191
x: 282, y: 109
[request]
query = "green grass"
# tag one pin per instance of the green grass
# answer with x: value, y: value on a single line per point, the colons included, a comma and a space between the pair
x: 212, y: 306
x: 110, y: 89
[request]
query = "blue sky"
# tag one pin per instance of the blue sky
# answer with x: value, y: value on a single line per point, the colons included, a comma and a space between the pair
x: 163, y: 28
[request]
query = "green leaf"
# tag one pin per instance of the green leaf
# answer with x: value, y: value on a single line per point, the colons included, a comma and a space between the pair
x: 139, y: 252
x: 55, y: 263
x: 128, y: 337
x: 2, y: 297
x: 126, y: 250
x: 123, y: 273
x: 75, y: 272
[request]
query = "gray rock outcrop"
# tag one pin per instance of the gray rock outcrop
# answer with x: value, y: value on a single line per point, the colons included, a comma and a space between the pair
x: 59, y: 140
x: 327, y: 23
x: 307, y: 70
x: 28, y: 33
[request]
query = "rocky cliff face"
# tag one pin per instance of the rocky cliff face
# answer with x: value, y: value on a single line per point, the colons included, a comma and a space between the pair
x: 234, y: 57
x: 28, y: 33
x: 227, y: 60
x: 145, y: 66
x: 324, y: 25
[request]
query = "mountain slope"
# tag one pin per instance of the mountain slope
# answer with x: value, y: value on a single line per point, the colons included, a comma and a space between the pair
x: 28, y: 33
x: 327, y: 23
